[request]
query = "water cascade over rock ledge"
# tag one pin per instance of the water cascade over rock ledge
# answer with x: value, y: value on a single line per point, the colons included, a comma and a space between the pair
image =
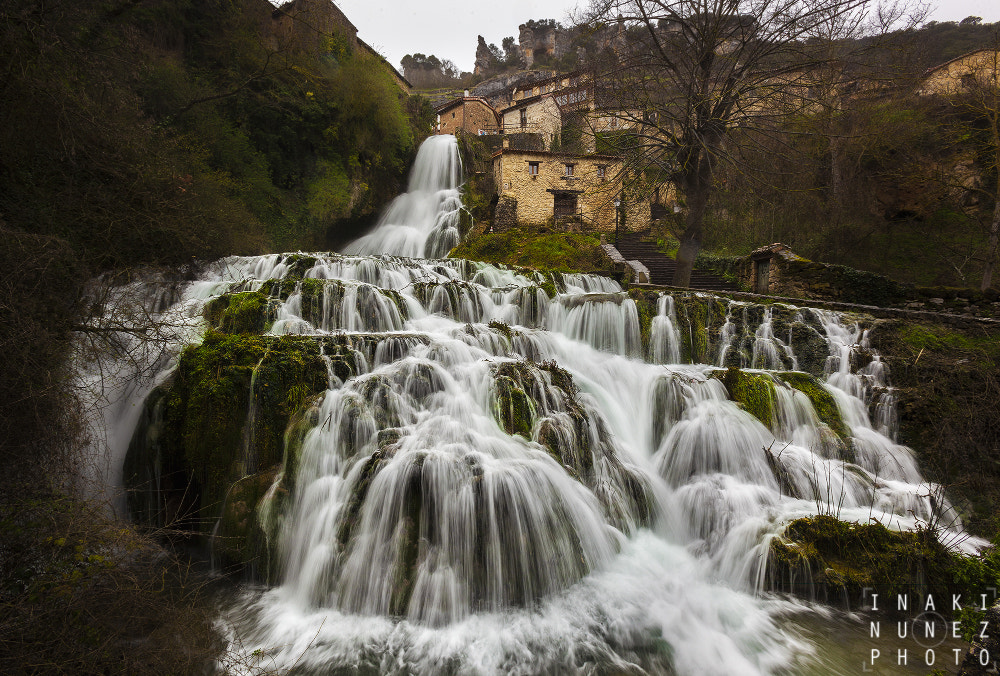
x: 442, y: 464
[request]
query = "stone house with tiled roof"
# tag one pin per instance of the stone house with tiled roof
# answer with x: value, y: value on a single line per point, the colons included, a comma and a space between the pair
x: 469, y: 114
x: 955, y: 76
x: 570, y: 191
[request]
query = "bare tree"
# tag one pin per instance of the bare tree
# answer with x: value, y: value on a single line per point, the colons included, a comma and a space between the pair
x: 690, y: 73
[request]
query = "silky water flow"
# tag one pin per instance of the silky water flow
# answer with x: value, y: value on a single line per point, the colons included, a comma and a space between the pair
x: 512, y: 483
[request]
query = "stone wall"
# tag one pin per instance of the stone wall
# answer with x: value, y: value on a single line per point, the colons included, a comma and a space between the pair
x: 471, y: 115
x: 535, y: 194
x: 949, y: 78
x: 543, y: 117
x: 310, y: 24
x: 775, y: 271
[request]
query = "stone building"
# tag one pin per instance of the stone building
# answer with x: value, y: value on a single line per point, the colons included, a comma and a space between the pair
x: 574, y: 192
x: 538, y: 115
x: 546, y: 107
x: 959, y: 74
x: 470, y: 114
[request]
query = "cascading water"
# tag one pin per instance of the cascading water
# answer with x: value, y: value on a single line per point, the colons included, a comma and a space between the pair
x: 422, y: 222
x: 494, y: 481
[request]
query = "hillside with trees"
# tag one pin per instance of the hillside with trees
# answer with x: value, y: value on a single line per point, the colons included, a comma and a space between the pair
x: 139, y: 133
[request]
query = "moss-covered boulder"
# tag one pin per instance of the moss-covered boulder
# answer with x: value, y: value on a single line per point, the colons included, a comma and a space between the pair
x: 646, y: 305
x: 754, y: 392
x: 540, y: 402
x: 946, y: 380
x: 225, y: 412
x: 247, y: 312
x: 836, y: 561
x: 822, y: 401
x: 241, y: 538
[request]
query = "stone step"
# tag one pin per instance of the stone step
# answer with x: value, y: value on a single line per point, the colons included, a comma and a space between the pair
x: 661, y: 267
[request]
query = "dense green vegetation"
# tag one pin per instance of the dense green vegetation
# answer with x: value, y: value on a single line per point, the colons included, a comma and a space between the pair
x: 149, y: 132
x: 891, y: 184
x: 838, y: 561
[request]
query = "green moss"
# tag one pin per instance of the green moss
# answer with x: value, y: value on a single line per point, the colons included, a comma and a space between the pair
x: 223, y: 428
x: 513, y: 408
x: 646, y: 307
x: 537, y: 249
x: 938, y: 337
x: 359, y: 491
x: 240, y: 538
x: 298, y: 265
x: 753, y: 391
x: 408, y: 543
x: 828, y: 557
x: 693, y: 315
x: 822, y: 401
x: 548, y: 286
x: 239, y: 312
x: 501, y: 328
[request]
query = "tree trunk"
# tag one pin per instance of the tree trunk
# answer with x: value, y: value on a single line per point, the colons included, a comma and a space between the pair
x: 691, y: 239
x: 991, y: 249
x: 836, y: 178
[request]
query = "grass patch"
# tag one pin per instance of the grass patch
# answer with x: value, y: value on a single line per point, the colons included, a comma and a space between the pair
x: 538, y: 249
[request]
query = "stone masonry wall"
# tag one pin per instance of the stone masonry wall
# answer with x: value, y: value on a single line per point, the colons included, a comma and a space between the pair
x: 947, y: 79
x: 543, y: 115
x: 535, y: 204
x: 471, y: 116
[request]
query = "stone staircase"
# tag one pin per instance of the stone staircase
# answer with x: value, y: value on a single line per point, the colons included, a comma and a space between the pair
x: 632, y: 246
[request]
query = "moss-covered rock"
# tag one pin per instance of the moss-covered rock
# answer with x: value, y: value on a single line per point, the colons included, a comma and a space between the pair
x: 808, y: 341
x: 540, y: 402
x: 646, y: 307
x: 822, y: 401
x: 227, y: 409
x: 752, y: 391
x: 240, y: 538
x: 946, y: 383
x: 832, y: 560
x: 538, y: 248
x: 513, y: 408
x: 366, y: 472
x: 247, y: 312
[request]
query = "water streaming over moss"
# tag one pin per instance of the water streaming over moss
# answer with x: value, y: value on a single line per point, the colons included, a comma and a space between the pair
x: 451, y: 465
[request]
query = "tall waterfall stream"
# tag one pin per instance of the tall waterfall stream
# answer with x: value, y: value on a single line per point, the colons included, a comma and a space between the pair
x: 508, y: 480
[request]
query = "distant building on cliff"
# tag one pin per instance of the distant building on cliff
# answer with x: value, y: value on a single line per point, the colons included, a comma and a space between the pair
x: 319, y: 26
x: 962, y: 73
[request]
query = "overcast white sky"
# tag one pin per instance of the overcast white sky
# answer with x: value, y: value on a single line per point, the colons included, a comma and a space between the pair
x: 448, y: 28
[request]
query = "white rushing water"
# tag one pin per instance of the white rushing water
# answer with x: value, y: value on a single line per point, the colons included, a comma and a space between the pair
x: 422, y: 222
x: 425, y: 535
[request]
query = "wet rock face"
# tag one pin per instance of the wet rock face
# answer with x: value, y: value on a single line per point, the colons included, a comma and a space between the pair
x: 983, y: 656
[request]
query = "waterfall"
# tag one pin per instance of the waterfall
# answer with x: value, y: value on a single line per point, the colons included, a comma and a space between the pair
x: 423, y: 221
x: 496, y: 475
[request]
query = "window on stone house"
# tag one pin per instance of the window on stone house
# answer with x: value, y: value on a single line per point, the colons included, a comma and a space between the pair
x: 601, y: 171
x: 569, y: 170
x: 524, y: 117
x: 533, y: 168
x: 453, y: 116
